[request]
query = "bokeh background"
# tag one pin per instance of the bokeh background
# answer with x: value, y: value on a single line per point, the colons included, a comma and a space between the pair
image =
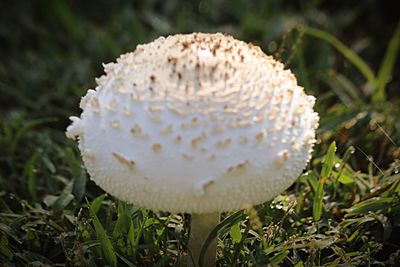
x: 50, y: 54
x: 51, y: 51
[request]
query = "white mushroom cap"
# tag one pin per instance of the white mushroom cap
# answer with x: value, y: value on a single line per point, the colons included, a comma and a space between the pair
x: 195, y: 123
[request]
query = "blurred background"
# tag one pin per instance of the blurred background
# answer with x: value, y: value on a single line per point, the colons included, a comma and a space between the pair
x: 342, y: 52
x: 51, y: 51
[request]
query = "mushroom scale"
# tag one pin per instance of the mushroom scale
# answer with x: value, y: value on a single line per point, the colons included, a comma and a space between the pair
x: 195, y: 123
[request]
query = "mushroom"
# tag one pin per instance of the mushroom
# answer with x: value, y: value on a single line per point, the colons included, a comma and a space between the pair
x: 195, y: 123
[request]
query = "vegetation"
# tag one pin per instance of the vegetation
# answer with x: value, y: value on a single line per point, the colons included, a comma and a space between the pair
x: 343, y: 210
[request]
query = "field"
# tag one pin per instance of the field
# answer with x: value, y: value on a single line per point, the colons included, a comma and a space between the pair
x: 343, y: 210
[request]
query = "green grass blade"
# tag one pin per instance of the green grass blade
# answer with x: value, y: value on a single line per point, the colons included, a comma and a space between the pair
x: 387, y: 65
x: 5, y: 247
x: 329, y: 161
x: 124, y: 221
x: 227, y: 222
x: 78, y: 174
x: 349, y: 151
x: 325, y: 173
x: 105, y: 242
x: 357, y: 61
x: 346, y: 85
x: 312, y: 180
x: 302, y: 69
x: 28, y: 127
x: 96, y: 203
x: 340, y: 177
x: 278, y: 259
x: 29, y: 171
x: 68, y: 19
x: 377, y: 204
x: 62, y: 201
x: 125, y: 260
x: 79, y: 186
x: 235, y: 233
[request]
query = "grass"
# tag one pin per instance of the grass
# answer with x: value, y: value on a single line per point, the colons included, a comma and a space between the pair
x: 343, y: 210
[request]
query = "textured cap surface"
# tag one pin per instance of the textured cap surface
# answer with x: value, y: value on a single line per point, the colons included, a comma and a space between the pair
x: 195, y: 123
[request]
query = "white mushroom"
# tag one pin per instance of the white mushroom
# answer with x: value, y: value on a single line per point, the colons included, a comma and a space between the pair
x: 196, y: 123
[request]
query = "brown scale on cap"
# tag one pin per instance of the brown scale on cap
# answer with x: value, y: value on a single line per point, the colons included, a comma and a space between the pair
x: 223, y: 143
x: 167, y: 130
x: 283, y: 157
x: 88, y: 154
x: 197, y: 140
x: 243, y: 123
x: 156, y: 148
x: 136, y: 98
x: 95, y: 104
x: 273, y: 113
x: 258, y: 118
x: 126, y: 111
x: 115, y: 123
x: 112, y: 106
x: 187, y: 157
x: 121, y: 159
x: 178, y: 139
x: 189, y: 125
x: 261, y: 135
x: 154, y: 109
x: 203, y: 150
x: 295, y: 145
x: 217, y: 129
x: 136, y: 130
x: 155, y: 117
x: 195, y: 121
x: 243, y: 139
x: 238, y: 168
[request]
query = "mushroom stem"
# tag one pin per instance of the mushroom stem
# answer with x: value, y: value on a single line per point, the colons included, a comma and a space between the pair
x: 200, y: 227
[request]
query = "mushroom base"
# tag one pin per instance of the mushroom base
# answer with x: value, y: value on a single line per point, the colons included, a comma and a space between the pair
x: 200, y: 227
